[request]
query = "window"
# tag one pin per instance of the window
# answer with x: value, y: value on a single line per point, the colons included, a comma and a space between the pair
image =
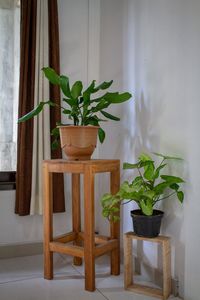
x: 9, y: 85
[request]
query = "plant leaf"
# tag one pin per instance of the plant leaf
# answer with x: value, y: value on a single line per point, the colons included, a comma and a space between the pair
x: 51, y: 75
x: 64, y: 84
x: 146, y: 207
x: 103, y: 86
x: 130, y: 166
x: 76, y: 89
x: 180, y: 196
x: 145, y: 157
x: 35, y: 111
x: 109, y: 116
x: 172, y: 179
x: 157, y: 171
x: 55, y: 144
x: 117, y: 98
x: 101, y: 134
x: 71, y: 102
x: 149, y: 170
x: 174, y: 186
x: 167, y: 157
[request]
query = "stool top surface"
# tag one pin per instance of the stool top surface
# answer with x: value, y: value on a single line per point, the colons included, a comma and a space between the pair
x: 158, y: 239
x: 80, y: 166
x: 80, y: 162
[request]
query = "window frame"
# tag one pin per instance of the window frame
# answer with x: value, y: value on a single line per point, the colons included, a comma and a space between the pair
x: 7, y: 180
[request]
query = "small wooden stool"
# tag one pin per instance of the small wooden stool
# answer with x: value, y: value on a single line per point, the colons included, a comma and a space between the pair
x: 93, y: 246
x: 128, y: 270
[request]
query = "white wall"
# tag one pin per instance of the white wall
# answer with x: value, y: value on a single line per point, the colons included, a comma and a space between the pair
x: 152, y: 49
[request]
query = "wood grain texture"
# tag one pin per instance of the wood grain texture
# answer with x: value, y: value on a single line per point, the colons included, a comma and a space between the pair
x: 128, y: 261
x: 89, y: 244
x: 115, y: 226
x: 86, y: 244
x: 76, y: 213
x: 128, y: 268
x: 48, y: 222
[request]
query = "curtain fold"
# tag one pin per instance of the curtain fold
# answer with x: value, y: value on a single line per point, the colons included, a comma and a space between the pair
x: 41, y: 128
x: 55, y: 115
x: 26, y: 185
x: 26, y: 103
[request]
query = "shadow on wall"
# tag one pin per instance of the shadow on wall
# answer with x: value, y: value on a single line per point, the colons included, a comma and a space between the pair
x: 142, y: 134
x: 139, y: 136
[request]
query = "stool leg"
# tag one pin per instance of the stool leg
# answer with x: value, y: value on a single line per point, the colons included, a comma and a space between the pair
x: 48, y: 224
x: 166, y: 269
x: 89, y: 246
x: 115, y: 226
x: 76, y: 212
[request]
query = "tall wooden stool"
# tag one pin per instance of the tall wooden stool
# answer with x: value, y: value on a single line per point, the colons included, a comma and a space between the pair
x: 86, y: 244
x: 128, y: 268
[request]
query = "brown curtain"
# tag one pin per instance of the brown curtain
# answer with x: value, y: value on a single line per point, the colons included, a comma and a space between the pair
x: 26, y: 102
x: 55, y: 115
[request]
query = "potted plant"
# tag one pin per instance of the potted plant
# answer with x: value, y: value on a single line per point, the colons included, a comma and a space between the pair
x: 82, y: 109
x: 146, y: 189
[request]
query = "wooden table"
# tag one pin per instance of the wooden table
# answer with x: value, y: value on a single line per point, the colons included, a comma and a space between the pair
x: 85, y: 244
x: 129, y: 283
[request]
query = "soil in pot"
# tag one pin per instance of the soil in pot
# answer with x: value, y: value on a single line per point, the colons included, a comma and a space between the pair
x: 78, y: 142
x: 147, y: 226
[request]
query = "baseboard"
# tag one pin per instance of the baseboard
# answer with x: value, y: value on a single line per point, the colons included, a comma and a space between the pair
x: 17, y: 250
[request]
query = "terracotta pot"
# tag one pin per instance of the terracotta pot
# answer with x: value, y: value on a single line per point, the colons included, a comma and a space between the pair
x: 78, y: 142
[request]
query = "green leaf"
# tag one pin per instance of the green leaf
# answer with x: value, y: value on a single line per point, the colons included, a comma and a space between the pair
x: 144, y: 157
x: 64, y: 84
x: 55, y: 132
x: 51, y: 75
x: 167, y: 157
x: 130, y: 166
x: 149, y: 171
x: 161, y: 187
x: 157, y: 171
x: 101, y: 134
x: 71, y: 102
x: 103, y: 86
x: 55, y: 145
x: 172, y: 179
x: 66, y: 111
x: 109, y: 116
x: 116, y: 97
x: 87, y: 93
x: 76, y: 89
x: 174, y: 186
x: 92, y: 121
x: 35, y: 111
x: 101, y: 105
x: 180, y: 196
x: 146, y: 207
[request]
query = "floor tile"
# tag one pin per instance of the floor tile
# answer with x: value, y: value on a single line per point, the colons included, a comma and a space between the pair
x: 19, y: 268
x: 65, y: 287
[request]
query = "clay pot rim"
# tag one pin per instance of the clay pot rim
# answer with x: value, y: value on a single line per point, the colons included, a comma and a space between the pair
x: 77, y: 126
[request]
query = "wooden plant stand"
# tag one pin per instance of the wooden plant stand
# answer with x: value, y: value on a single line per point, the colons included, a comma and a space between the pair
x: 128, y: 268
x: 85, y: 244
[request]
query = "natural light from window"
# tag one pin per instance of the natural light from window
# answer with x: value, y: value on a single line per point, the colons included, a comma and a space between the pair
x: 9, y: 79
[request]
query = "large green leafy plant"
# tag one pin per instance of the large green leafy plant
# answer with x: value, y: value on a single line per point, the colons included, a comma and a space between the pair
x: 80, y: 106
x: 146, y: 189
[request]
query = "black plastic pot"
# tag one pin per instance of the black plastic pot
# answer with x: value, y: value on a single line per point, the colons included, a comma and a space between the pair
x: 147, y: 226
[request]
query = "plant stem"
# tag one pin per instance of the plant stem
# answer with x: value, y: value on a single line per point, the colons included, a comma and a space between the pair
x: 142, y: 178
x: 165, y: 197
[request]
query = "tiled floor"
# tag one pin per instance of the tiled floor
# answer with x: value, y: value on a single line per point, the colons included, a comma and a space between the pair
x: 22, y: 279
